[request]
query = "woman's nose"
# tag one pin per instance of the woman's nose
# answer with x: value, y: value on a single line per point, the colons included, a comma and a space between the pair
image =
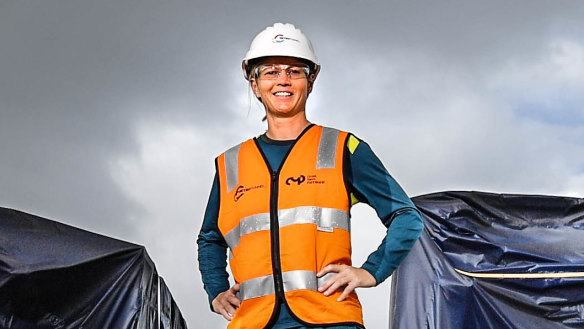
x: 283, y: 77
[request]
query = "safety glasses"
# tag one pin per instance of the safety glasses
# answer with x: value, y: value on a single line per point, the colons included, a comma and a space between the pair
x: 273, y: 71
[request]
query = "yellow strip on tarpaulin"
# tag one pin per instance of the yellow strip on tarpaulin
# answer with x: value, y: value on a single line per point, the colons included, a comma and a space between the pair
x: 551, y: 275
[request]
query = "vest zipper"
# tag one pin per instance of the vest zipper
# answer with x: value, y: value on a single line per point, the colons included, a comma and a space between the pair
x: 275, y: 237
x: 275, y: 227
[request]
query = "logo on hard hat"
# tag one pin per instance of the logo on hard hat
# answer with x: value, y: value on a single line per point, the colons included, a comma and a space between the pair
x: 281, y: 38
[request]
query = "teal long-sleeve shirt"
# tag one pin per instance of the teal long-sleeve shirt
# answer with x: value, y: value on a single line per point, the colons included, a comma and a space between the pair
x: 367, y: 180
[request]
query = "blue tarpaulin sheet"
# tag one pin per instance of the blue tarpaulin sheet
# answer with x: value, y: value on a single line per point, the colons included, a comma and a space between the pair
x: 55, y: 276
x: 493, y: 261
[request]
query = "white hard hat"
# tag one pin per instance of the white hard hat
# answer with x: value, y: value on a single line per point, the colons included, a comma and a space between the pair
x: 280, y: 40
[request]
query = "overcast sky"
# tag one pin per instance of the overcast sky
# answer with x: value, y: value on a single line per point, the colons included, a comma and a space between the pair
x: 111, y: 112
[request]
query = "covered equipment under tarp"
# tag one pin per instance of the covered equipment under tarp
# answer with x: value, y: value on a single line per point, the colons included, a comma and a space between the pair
x: 54, y: 276
x: 493, y: 261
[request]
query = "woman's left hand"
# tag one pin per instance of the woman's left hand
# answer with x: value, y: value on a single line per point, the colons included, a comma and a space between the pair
x: 348, y: 276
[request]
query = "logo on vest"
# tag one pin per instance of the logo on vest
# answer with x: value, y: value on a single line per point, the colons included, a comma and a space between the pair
x: 298, y: 180
x: 240, y: 191
x: 310, y: 179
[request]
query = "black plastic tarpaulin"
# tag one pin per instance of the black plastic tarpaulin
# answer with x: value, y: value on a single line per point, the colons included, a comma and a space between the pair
x: 55, y: 276
x: 493, y: 261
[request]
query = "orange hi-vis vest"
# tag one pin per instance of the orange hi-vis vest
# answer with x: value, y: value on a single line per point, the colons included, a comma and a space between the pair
x: 282, y: 227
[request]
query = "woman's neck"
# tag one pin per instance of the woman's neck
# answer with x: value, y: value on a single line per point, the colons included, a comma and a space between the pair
x: 286, y: 128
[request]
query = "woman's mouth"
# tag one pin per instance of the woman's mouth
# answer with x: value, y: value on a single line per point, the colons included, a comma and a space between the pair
x: 282, y: 93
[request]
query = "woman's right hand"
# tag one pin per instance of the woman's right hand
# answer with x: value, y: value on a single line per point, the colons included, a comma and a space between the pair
x: 226, y: 303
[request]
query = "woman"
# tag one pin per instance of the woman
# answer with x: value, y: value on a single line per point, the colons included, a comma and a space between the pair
x: 280, y: 202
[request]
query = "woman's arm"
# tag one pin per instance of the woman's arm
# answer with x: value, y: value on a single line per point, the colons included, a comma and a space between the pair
x: 212, y: 249
x: 369, y: 182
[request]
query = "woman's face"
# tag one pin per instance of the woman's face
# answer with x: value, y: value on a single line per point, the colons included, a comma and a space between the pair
x: 282, y: 96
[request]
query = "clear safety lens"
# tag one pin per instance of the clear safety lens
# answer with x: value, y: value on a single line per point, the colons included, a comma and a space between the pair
x: 273, y: 72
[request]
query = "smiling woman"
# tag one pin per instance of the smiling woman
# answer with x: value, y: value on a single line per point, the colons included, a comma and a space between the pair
x: 283, y: 95
x: 281, y: 203
x: 279, y: 47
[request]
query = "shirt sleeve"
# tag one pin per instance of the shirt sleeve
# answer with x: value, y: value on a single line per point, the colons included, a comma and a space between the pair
x: 368, y: 181
x: 212, y: 248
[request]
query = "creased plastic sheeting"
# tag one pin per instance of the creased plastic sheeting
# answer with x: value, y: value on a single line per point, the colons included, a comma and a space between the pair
x: 170, y: 316
x: 493, y: 234
x: 54, y: 276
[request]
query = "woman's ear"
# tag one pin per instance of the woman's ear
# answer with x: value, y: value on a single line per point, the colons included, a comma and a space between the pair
x: 311, y: 79
x: 255, y: 88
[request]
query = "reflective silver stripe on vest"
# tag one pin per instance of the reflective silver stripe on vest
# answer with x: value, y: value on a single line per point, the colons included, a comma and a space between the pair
x: 231, y: 167
x: 296, y: 280
x: 322, y: 217
x: 254, y: 223
x: 323, y: 279
x: 258, y: 287
x: 292, y: 280
x: 327, y: 148
x: 325, y: 219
